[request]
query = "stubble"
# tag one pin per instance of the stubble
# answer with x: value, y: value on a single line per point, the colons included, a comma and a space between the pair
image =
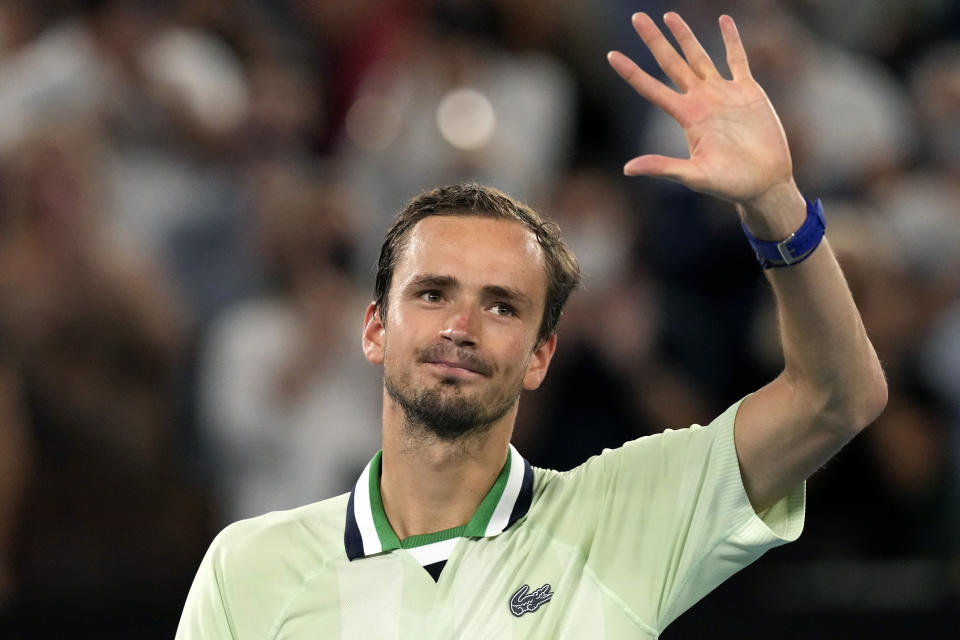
x: 443, y: 409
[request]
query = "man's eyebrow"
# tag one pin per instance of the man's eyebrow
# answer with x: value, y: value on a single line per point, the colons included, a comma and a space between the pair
x: 433, y: 280
x: 508, y: 293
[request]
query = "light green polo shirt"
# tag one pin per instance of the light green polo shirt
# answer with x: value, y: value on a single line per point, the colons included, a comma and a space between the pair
x: 615, y: 548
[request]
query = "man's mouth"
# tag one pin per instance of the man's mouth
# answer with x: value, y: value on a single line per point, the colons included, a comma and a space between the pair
x: 454, y: 370
x: 459, y: 364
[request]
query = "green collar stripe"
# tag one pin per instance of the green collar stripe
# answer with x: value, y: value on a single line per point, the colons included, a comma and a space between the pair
x: 430, y: 538
x: 388, y: 539
x: 476, y: 527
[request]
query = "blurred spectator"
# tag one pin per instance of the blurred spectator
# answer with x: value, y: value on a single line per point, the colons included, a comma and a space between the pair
x: 291, y: 408
x: 456, y: 106
x: 925, y: 208
x: 15, y: 460
x: 922, y: 205
x: 878, y: 27
x: 917, y: 492
x: 175, y: 185
x: 94, y: 334
x: 283, y: 112
x: 355, y: 37
x: 45, y: 73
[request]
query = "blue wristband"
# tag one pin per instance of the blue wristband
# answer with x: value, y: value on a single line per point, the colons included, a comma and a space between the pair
x: 797, y: 247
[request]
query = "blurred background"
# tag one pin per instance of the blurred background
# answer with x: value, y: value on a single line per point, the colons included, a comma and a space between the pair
x: 193, y: 194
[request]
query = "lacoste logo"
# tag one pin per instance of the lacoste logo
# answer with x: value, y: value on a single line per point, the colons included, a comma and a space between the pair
x: 523, y: 602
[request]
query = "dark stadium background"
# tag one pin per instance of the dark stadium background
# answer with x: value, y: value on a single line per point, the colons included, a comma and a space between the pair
x: 192, y: 194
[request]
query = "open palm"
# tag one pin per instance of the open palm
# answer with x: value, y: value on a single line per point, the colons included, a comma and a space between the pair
x: 738, y: 150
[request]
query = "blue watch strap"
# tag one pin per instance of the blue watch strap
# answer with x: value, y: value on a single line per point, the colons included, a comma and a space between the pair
x: 798, y: 246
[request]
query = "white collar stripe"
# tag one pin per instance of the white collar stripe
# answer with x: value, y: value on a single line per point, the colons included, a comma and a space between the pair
x: 364, y: 514
x: 435, y: 552
x: 501, y: 515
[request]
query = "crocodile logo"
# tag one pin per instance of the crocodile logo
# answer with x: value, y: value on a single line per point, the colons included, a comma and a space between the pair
x: 526, y: 601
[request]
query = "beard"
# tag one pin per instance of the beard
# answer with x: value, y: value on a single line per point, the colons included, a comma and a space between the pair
x: 444, y: 410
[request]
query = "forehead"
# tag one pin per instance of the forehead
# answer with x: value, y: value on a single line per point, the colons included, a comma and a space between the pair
x: 476, y: 250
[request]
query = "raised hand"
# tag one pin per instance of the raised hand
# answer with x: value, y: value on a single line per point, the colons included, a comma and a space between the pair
x: 738, y: 150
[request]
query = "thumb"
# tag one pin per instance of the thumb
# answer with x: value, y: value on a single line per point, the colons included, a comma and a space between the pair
x: 663, y: 167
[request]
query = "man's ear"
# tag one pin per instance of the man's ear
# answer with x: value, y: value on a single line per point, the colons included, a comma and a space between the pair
x: 373, y: 334
x: 539, y: 362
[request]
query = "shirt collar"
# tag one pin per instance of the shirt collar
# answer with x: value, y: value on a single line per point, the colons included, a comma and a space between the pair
x: 367, y: 531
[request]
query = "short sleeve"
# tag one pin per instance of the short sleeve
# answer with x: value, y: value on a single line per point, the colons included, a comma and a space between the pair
x: 674, y: 520
x: 205, y: 613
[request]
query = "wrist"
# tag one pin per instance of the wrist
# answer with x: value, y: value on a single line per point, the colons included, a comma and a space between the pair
x: 796, y: 247
x: 776, y: 213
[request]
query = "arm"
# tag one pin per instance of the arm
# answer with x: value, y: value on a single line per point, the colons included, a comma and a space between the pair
x: 832, y: 384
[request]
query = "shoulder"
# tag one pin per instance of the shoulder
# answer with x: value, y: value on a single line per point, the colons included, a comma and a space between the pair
x: 676, y: 445
x: 255, y: 568
x: 305, y: 537
x: 645, y: 458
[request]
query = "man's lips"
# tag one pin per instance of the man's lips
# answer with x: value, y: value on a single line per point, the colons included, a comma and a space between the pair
x: 455, y: 366
x: 451, y: 361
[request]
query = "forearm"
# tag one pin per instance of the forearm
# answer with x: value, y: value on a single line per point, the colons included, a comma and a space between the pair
x: 829, y: 361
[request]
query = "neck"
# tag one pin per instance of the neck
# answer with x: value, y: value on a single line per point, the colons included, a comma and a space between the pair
x: 428, y: 484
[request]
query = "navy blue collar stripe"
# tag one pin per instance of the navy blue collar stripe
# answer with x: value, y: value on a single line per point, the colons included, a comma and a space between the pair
x: 522, y: 505
x: 352, y: 540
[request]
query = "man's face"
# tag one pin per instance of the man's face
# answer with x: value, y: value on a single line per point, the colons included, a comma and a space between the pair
x: 464, y: 308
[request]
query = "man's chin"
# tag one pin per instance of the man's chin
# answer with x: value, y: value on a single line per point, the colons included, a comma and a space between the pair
x: 446, y: 409
x: 459, y: 433
x: 446, y: 414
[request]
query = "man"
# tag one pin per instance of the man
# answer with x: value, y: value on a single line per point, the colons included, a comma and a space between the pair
x: 449, y: 533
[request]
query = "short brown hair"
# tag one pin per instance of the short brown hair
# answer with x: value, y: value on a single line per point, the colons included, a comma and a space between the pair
x: 468, y: 199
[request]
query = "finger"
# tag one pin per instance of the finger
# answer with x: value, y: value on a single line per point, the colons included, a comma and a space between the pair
x: 666, y: 167
x: 645, y: 84
x: 693, y: 51
x: 663, y: 52
x: 736, y: 55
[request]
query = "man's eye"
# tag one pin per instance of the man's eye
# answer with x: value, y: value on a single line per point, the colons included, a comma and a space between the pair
x: 502, y: 309
x: 431, y: 296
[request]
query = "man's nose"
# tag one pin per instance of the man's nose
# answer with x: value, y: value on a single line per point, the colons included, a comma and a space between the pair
x: 462, y: 326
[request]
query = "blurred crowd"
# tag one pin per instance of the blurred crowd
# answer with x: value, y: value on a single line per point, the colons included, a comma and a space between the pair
x: 193, y: 194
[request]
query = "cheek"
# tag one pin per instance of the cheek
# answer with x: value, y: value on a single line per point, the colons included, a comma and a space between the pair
x: 400, y: 343
x: 406, y: 323
x: 392, y: 349
x: 518, y: 357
